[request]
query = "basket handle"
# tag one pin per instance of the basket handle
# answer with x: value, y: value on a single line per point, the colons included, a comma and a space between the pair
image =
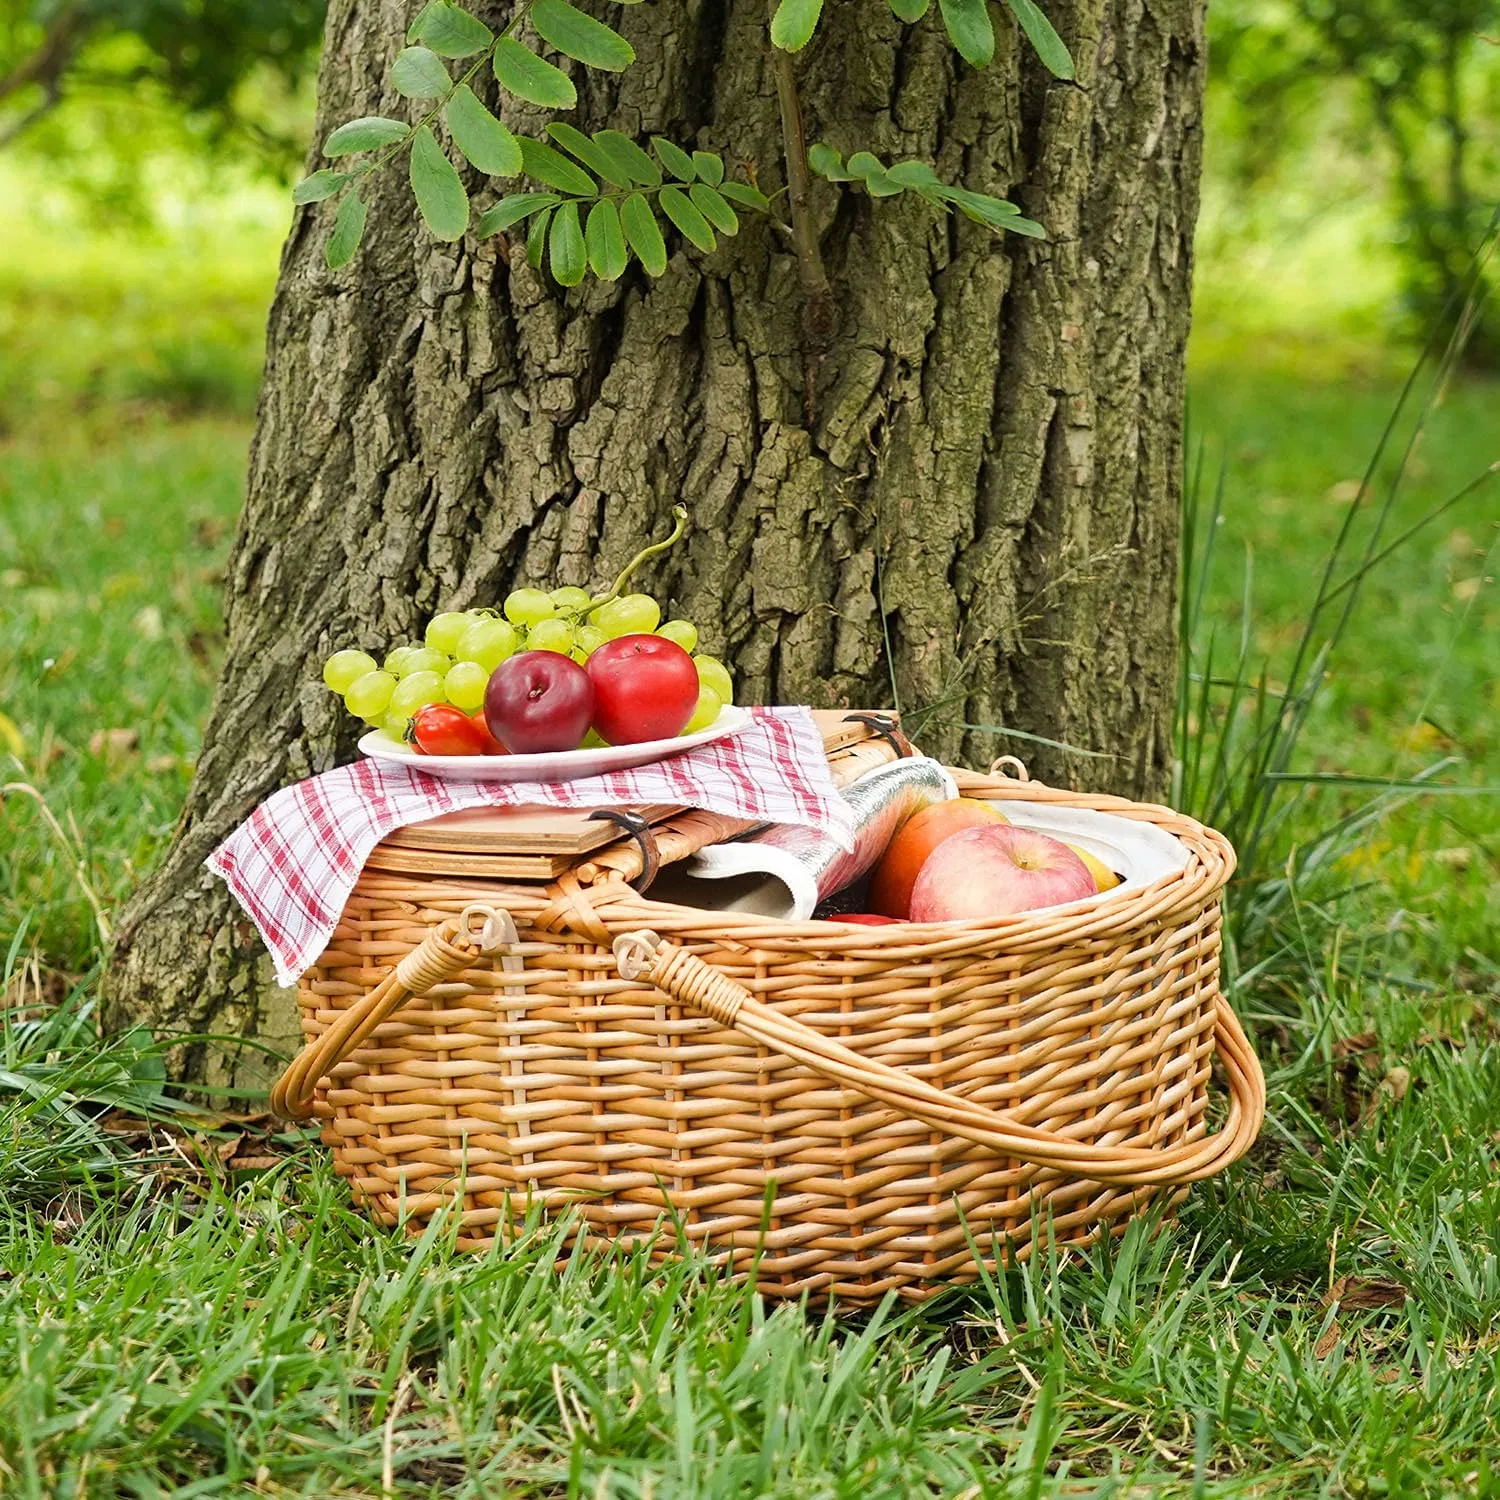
x: 690, y: 981
x: 447, y: 950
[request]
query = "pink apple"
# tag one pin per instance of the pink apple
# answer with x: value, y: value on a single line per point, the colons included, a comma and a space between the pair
x: 993, y: 870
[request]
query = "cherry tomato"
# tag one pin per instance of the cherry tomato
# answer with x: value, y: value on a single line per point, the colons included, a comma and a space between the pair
x: 441, y: 729
x: 492, y: 746
x: 865, y: 919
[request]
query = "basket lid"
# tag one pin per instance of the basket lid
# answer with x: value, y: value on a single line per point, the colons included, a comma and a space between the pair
x: 540, y: 843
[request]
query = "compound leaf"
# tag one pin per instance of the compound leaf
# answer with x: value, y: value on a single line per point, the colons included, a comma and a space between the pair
x: 419, y: 73
x: 366, y: 134
x: 480, y: 136
x: 605, y: 241
x: 524, y: 75
x: 348, y: 230
x: 439, y: 189
x: 643, y: 233
x: 676, y: 205
x: 580, y: 36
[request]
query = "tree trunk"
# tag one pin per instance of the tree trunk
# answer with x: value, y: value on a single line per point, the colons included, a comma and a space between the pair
x: 964, y: 502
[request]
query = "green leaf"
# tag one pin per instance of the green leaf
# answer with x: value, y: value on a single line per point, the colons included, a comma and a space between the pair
x: 420, y: 74
x: 367, y: 134
x: 981, y: 206
x: 348, y: 230
x: 745, y: 195
x: 869, y: 169
x: 320, y: 185
x: 581, y: 37
x: 909, y: 11
x: 440, y: 193
x: 524, y: 75
x: 970, y: 29
x: 480, y: 136
x: 913, y: 174
x: 1043, y: 36
x: 450, y: 30
x: 827, y: 162
x: 606, y: 241
x: 414, y: 31
x: 994, y: 213
x: 675, y: 205
x: 628, y: 156
x: 794, y: 23
x: 592, y: 155
x: 553, y: 168
x: 674, y: 159
x: 710, y: 167
x: 713, y: 208
x: 569, y: 260
x: 536, y: 239
x: 511, y: 209
x: 643, y: 233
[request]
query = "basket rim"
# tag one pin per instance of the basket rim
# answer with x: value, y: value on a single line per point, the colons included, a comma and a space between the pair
x: 616, y: 906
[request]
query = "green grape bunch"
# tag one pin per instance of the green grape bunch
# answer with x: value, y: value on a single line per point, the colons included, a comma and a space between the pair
x: 459, y: 650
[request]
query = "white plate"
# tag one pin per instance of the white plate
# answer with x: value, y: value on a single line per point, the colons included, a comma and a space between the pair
x: 554, y: 765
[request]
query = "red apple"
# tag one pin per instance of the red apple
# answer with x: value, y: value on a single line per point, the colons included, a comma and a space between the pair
x: 645, y: 688
x: 538, y: 701
x: 896, y: 874
x: 994, y: 870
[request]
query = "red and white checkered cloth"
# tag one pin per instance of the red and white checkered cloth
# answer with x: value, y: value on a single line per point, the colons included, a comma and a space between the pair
x: 294, y: 861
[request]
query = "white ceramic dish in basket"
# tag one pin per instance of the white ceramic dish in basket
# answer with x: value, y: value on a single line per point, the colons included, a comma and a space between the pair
x: 554, y: 765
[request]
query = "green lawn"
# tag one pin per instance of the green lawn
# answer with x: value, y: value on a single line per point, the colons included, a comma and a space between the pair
x: 177, y: 1317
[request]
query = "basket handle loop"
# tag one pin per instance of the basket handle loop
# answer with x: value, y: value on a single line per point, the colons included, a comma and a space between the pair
x: 687, y: 979
x: 447, y: 950
x: 1011, y: 767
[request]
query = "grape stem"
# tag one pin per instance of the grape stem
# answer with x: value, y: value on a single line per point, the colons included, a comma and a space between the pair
x: 679, y: 513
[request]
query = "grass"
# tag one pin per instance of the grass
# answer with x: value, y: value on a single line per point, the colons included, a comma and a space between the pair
x: 188, y: 1306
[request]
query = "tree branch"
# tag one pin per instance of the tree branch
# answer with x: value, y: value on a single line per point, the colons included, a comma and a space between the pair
x: 51, y: 59
x: 23, y: 123
x: 45, y: 67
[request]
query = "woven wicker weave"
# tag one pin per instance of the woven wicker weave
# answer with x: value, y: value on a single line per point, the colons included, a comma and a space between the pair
x: 912, y: 1091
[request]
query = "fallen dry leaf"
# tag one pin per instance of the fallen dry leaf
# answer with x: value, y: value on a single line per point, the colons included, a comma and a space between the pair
x: 227, y: 1148
x: 1352, y: 1046
x: 1364, y: 1292
x: 1328, y: 1340
x: 1459, y: 857
x: 114, y: 744
x: 1397, y: 1082
x: 209, y: 531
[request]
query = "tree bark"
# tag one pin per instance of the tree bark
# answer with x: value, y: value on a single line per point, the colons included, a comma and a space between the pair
x: 978, y: 522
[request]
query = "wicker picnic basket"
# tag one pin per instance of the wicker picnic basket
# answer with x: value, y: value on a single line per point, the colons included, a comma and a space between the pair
x: 835, y: 1110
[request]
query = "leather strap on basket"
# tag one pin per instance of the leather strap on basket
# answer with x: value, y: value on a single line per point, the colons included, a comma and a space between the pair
x: 634, y: 826
x: 447, y: 950
x: 687, y: 979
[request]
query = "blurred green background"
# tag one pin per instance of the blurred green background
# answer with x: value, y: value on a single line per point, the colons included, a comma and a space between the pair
x: 1353, y: 161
